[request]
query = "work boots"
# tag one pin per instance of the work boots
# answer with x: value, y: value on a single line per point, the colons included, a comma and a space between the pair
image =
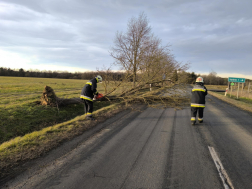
x: 193, y: 122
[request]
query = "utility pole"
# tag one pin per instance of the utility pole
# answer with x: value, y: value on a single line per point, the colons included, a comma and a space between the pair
x: 242, y: 88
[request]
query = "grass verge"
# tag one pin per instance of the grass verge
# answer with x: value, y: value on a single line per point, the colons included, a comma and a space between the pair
x: 242, y: 103
x: 20, y: 120
x: 35, y: 144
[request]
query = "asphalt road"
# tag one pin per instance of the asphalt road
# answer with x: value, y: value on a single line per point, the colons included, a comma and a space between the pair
x: 155, y: 148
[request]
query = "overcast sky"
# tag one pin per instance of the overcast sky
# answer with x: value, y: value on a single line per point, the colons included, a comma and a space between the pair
x: 76, y: 35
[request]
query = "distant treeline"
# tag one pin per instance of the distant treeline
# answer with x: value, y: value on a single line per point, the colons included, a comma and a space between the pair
x: 56, y: 74
x: 210, y: 79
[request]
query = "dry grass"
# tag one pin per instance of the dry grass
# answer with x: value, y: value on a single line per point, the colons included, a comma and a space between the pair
x: 242, y: 94
x: 245, y: 104
x: 220, y: 87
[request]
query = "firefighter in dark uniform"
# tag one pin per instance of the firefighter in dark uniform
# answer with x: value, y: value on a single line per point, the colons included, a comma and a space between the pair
x: 199, y: 93
x: 88, y: 94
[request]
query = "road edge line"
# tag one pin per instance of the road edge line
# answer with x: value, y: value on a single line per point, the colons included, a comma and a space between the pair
x: 222, y: 172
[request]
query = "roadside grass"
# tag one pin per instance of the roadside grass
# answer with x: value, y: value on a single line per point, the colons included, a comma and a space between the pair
x: 19, y: 112
x: 33, y: 145
x: 242, y: 94
x: 27, y: 130
x: 241, y: 98
x: 20, y: 120
x: 220, y: 87
x: 245, y: 94
x: 225, y: 86
x: 242, y: 102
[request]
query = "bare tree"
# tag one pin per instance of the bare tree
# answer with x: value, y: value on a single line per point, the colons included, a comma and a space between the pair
x: 212, y: 77
x: 107, y: 77
x: 145, y: 62
x: 130, y: 46
x: 155, y: 60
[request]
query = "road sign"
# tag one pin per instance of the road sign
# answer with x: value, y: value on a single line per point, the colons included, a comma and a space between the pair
x: 237, y: 80
x: 232, y: 84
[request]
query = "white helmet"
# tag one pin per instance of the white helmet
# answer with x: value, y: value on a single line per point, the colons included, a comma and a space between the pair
x: 99, y: 78
x: 199, y: 80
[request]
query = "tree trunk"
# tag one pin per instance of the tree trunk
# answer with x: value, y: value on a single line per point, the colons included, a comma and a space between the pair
x: 67, y: 101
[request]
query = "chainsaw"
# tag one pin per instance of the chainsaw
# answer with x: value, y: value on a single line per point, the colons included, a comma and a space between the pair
x: 98, y: 96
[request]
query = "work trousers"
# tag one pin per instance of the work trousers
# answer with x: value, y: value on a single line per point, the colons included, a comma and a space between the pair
x: 194, y: 111
x: 88, y: 107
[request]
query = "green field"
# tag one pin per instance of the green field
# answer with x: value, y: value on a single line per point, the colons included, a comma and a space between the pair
x: 19, y: 112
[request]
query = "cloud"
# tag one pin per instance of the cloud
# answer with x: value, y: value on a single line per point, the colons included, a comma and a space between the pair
x: 212, y: 35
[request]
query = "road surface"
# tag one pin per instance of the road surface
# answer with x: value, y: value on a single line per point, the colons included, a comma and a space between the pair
x: 154, y: 149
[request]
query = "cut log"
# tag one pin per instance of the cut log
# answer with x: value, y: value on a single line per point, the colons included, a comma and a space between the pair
x: 67, y: 101
x: 133, y: 95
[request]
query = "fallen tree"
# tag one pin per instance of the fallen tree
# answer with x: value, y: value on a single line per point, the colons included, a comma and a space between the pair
x: 173, y: 95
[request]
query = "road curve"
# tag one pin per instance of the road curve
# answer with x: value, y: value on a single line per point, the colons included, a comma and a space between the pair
x: 154, y: 149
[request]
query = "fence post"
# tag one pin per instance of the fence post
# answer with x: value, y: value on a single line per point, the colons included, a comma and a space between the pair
x: 231, y: 90
x: 242, y: 88
x: 238, y: 90
x: 226, y: 91
x: 248, y: 89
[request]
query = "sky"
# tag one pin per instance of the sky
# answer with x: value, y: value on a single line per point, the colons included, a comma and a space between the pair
x: 77, y: 35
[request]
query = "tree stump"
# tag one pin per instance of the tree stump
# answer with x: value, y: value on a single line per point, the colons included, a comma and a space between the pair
x: 48, y: 97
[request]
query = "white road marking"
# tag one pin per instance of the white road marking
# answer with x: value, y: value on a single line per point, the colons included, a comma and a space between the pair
x: 222, y: 172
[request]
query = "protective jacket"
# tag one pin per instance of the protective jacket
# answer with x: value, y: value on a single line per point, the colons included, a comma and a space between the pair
x: 199, y: 92
x: 89, y: 90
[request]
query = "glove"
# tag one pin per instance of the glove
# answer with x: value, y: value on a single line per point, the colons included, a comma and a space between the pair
x: 95, y: 96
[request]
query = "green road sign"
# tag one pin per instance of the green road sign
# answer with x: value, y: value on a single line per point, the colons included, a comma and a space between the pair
x: 237, y: 80
x: 232, y: 84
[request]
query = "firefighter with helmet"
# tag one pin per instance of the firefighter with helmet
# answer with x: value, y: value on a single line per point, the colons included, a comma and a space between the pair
x: 199, y: 93
x: 88, y: 94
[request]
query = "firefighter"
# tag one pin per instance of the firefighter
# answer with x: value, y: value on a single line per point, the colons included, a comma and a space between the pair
x: 88, y: 94
x: 199, y: 93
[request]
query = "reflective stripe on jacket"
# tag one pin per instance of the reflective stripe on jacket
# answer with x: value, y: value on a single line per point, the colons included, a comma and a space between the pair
x: 86, y: 98
x: 199, y: 93
x: 198, y: 105
x: 89, y: 90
